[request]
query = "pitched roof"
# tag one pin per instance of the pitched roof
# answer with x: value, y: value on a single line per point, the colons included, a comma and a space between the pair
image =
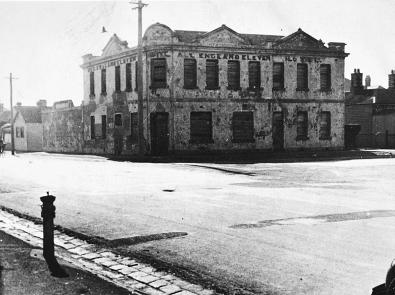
x: 30, y: 114
x: 5, y: 116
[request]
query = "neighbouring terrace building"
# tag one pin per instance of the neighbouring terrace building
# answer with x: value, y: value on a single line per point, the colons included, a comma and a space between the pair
x: 218, y: 90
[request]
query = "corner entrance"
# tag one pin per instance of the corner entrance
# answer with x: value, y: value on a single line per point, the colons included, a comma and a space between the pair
x: 278, y: 131
x: 159, y: 133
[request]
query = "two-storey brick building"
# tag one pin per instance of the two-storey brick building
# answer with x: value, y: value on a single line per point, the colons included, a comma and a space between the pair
x: 217, y: 90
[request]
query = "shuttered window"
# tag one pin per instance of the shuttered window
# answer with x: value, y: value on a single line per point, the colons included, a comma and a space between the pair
x: 212, y: 74
x: 92, y: 127
x: 325, y: 77
x: 254, y: 75
x: 301, y: 126
x: 117, y: 79
x: 103, y: 126
x: 278, y: 76
x: 128, y: 77
x: 92, y: 83
x: 190, y: 73
x: 118, y: 119
x: 103, y: 81
x: 325, y: 125
x: 134, y: 126
x: 158, y: 73
x: 136, y: 75
x: 243, y: 126
x: 201, y: 127
x: 301, y: 77
x: 233, y: 74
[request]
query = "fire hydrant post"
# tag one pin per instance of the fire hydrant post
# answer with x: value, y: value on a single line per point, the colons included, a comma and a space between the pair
x: 48, y: 215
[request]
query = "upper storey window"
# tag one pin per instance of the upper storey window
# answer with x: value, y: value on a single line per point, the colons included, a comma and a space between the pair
x: 278, y: 76
x: 190, y: 73
x: 302, y: 83
x: 128, y: 77
x: 158, y: 73
x: 92, y: 83
x: 233, y: 75
x: 254, y: 75
x: 103, y: 82
x: 325, y: 77
x: 117, y: 78
x: 211, y: 74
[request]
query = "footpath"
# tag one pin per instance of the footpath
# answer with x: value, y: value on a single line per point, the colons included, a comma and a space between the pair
x: 92, y: 269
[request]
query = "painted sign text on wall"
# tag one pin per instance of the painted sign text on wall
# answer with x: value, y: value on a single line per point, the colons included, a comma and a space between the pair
x: 212, y: 55
x: 112, y: 63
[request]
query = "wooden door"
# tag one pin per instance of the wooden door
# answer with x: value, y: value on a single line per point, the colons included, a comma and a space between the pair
x: 278, y: 131
x: 159, y: 133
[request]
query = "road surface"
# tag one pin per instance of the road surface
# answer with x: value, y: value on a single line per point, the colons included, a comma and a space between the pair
x: 286, y: 228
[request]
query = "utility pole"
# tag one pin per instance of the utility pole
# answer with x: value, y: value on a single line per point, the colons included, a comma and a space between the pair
x: 12, y: 117
x: 140, y: 6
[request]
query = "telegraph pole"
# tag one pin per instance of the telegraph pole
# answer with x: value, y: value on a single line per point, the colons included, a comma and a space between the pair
x: 12, y: 118
x: 140, y: 6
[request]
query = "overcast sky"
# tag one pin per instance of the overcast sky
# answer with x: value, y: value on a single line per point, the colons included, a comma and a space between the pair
x: 42, y: 42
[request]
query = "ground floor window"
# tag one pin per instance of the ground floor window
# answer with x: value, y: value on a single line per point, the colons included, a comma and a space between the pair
x: 20, y: 132
x: 118, y: 119
x: 103, y: 126
x: 301, y: 126
x: 243, y: 126
x: 92, y: 127
x: 325, y: 125
x: 134, y: 126
x: 201, y: 127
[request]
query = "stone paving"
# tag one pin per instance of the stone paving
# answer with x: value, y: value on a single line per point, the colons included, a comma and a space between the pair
x: 139, y: 278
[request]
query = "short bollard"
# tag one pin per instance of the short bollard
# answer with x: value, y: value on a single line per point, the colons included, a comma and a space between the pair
x: 48, y: 215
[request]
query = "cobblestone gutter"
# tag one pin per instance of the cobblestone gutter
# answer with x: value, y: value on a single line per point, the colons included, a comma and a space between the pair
x: 122, y: 271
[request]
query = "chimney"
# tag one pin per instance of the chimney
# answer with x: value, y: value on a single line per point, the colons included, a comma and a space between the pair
x: 391, y: 80
x: 356, y: 82
x: 367, y: 81
x: 42, y: 103
x: 338, y: 46
x: 18, y: 104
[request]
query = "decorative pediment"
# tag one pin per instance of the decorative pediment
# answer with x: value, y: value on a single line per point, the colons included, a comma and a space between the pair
x: 114, y: 46
x: 299, y: 40
x: 158, y: 34
x: 222, y: 36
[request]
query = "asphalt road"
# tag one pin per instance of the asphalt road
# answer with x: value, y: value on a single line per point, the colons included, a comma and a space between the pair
x: 296, y: 228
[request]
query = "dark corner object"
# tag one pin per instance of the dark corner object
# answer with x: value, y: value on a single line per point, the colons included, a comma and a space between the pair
x: 388, y: 288
x: 48, y: 215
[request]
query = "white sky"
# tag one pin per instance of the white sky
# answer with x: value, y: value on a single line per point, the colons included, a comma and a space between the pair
x: 42, y: 42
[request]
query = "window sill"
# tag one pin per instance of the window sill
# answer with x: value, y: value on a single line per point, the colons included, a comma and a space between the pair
x: 128, y: 90
x: 301, y: 138
x: 158, y: 87
x: 103, y: 94
x: 212, y: 88
x: 254, y: 89
x: 251, y: 140
x: 302, y: 90
x: 278, y: 89
x: 91, y: 96
x: 191, y: 88
x: 326, y: 90
x: 234, y: 88
x: 201, y: 141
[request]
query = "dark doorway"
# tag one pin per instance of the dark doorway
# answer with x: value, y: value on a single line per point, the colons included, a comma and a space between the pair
x: 278, y: 131
x: 159, y: 133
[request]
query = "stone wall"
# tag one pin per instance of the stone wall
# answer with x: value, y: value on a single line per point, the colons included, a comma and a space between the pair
x: 62, y: 130
x: 34, y: 137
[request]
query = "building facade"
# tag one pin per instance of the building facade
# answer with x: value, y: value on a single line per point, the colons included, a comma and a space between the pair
x: 217, y: 90
x: 372, y: 109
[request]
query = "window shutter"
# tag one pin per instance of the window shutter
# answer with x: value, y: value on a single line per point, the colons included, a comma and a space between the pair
x: 301, y: 127
x: 190, y: 73
x: 158, y: 73
x: 325, y: 77
x: 234, y: 74
x: 254, y: 75
x: 117, y: 78
x: 92, y: 83
x: 128, y: 77
x: 134, y: 126
x: 301, y: 77
x: 278, y: 76
x: 136, y: 70
x: 212, y: 74
x: 243, y: 126
x: 201, y: 127
x: 103, y: 81
x: 103, y: 126
x: 325, y: 125
x: 92, y: 127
